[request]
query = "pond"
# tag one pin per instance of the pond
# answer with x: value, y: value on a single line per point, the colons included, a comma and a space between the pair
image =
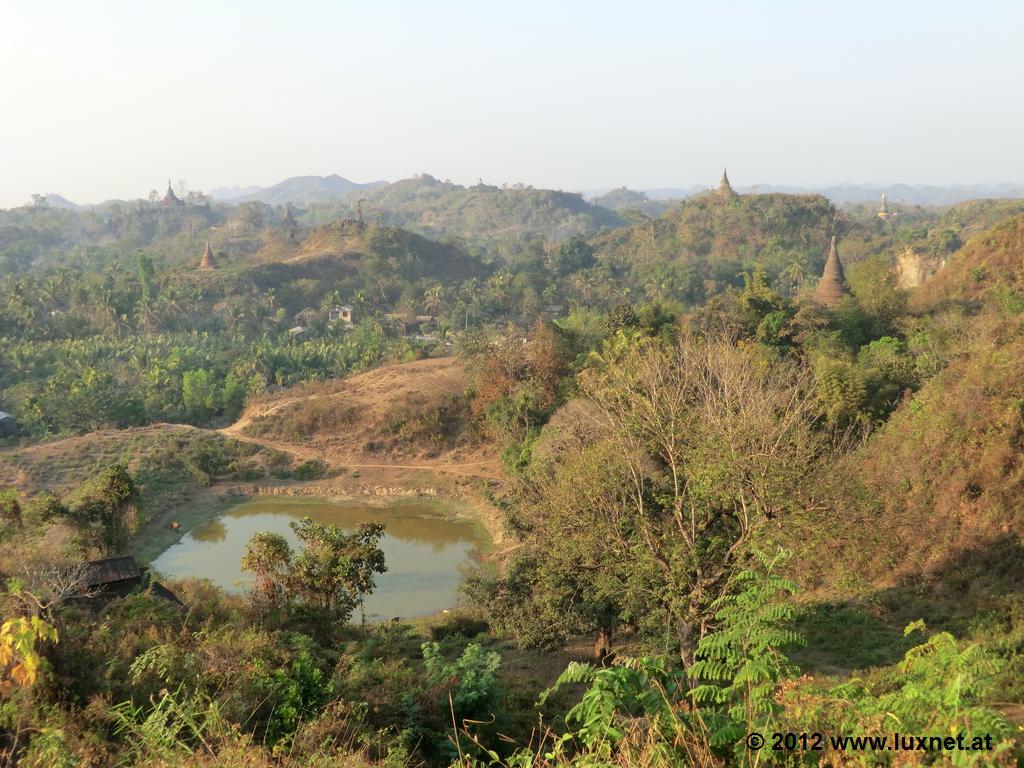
x: 424, y: 549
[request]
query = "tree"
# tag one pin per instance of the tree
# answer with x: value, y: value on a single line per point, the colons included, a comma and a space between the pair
x: 335, y: 570
x: 741, y: 663
x: 716, y: 440
x: 268, y: 556
x: 331, y: 574
x: 622, y: 317
x: 199, y: 395
x: 108, y: 513
x: 10, y: 509
x: 586, y: 583
x: 433, y: 300
x: 20, y: 659
x: 572, y: 256
x: 548, y: 355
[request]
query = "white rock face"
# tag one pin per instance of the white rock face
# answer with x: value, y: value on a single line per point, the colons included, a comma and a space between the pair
x: 913, y: 268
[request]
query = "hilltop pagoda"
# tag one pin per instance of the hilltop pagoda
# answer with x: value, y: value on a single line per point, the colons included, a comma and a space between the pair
x: 207, y: 261
x: 883, y: 211
x: 724, y: 187
x: 170, y: 198
x: 832, y: 287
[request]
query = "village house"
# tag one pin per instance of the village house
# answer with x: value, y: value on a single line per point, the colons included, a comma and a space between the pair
x: 410, y: 325
x: 306, y: 317
x: 103, y: 581
x: 8, y: 425
x: 341, y: 314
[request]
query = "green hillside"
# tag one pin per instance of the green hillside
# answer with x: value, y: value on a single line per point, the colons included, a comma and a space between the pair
x: 735, y: 476
x: 503, y: 220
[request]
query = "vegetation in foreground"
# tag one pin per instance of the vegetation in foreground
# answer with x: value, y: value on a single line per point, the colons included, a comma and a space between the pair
x: 755, y: 501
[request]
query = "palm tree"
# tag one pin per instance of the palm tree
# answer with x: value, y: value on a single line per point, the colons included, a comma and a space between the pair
x: 145, y: 317
x: 795, y: 273
x: 236, y: 317
x: 332, y: 299
x: 359, y: 303
x: 433, y: 300
x: 583, y: 284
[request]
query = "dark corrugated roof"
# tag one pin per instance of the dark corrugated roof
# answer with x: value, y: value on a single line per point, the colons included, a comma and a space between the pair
x: 98, y: 572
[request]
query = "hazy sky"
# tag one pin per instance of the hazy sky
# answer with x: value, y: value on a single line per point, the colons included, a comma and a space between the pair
x: 109, y: 99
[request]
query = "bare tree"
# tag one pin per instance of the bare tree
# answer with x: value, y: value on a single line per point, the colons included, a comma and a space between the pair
x: 47, y: 585
x: 716, y: 440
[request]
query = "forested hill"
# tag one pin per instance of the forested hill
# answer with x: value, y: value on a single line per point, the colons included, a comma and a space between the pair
x: 501, y: 218
x: 988, y: 267
x: 938, y: 485
x: 38, y: 238
x: 629, y: 201
x: 709, y: 240
x: 298, y: 190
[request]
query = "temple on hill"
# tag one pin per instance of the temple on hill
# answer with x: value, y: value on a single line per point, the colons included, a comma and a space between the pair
x: 207, y: 261
x: 170, y: 198
x: 724, y: 187
x: 832, y: 287
x: 884, y: 212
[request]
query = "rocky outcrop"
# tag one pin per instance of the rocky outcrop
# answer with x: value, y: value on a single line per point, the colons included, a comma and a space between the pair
x: 914, y: 268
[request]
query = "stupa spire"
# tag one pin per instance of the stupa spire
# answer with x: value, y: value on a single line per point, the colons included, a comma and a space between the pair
x: 169, y: 197
x: 883, y: 210
x: 724, y: 187
x: 832, y: 287
x: 207, y: 261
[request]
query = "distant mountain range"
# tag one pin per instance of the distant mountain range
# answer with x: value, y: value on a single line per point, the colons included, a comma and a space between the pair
x: 58, y: 201
x: 319, y: 189
x: 298, y: 189
x: 858, y: 193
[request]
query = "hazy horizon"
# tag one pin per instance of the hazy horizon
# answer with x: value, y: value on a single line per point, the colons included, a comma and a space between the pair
x: 109, y: 103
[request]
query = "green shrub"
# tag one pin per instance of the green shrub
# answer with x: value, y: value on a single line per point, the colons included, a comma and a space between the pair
x: 459, y: 625
x: 309, y: 470
x: 471, y: 681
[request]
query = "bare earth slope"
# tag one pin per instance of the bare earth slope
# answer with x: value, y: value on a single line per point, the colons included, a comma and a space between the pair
x: 404, y: 416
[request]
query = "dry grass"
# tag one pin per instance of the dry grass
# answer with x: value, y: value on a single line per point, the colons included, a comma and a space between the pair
x: 405, y: 413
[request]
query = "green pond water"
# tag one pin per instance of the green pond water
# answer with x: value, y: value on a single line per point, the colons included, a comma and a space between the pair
x: 424, y: 549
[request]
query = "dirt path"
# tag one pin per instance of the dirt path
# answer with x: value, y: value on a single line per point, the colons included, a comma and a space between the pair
x: 371, y: 394
x: 488, y: 469
x: 235, y: 430
x: 451, y: 469
x: 277, y: 445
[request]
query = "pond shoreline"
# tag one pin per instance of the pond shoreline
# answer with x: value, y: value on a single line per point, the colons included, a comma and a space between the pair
x: 427, y: 543
x: 218, y: 500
